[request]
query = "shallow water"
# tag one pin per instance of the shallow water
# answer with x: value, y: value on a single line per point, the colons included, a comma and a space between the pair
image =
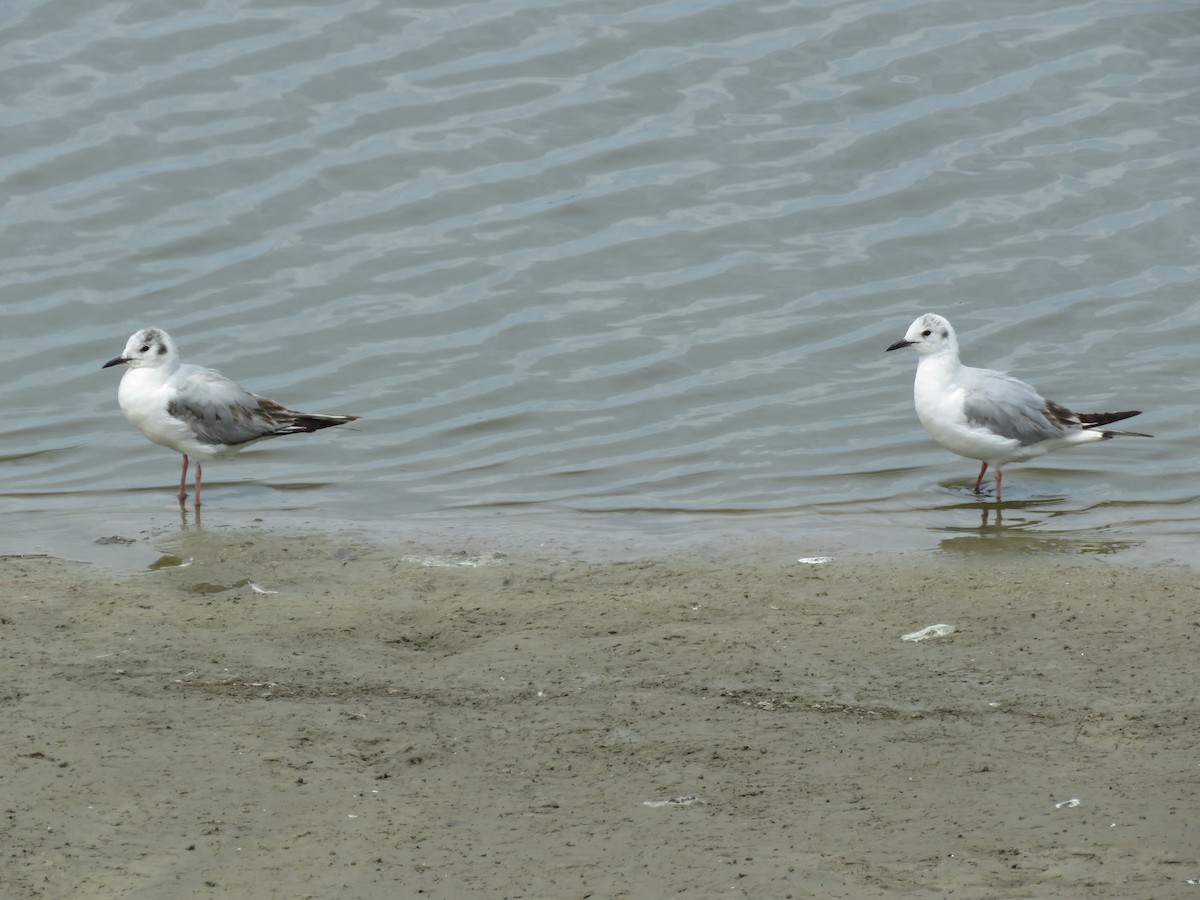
x: 618, y: 275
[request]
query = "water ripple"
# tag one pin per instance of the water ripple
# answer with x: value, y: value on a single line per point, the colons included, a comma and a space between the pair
x: 602, y: 258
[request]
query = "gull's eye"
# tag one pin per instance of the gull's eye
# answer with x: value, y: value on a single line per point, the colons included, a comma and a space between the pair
x: 145, y: 348
x: 926, y: 333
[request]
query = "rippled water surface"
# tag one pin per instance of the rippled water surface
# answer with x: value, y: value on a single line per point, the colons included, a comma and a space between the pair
x: 608, y: 273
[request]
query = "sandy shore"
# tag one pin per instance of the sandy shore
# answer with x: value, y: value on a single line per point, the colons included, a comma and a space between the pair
x: 380, y: 726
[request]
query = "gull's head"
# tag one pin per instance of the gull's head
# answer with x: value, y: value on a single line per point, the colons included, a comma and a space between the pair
x: 148, y: 348
x: 929, y: 335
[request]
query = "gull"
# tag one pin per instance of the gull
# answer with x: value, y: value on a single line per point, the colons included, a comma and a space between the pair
x: 988, y: 415
x: 196, y: 411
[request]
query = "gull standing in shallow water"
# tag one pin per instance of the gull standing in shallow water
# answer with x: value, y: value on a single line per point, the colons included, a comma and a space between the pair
x: 197, y: 411
x: 988, y: 415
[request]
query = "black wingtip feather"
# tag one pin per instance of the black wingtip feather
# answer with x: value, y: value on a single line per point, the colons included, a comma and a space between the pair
x: 310, y: 423
x: 1091, y: 420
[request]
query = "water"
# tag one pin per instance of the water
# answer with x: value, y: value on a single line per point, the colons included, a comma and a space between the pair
x: 613, y: 274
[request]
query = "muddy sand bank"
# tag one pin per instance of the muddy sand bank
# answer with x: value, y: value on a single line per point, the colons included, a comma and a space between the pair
x: 297, y: 716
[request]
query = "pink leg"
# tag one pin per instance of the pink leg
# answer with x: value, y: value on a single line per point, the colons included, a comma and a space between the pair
x: 979, y: 480
x: 998, y: 477
x: 197, y: 482
x: 183, y: 480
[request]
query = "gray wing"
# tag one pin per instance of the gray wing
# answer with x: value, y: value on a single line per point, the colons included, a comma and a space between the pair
x: 1013, y: 409
x: 221, y: 411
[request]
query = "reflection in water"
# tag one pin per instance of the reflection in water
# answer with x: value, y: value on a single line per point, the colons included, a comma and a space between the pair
x: 1025, y: 528
x: 183, y: 518
x: 997, y: 539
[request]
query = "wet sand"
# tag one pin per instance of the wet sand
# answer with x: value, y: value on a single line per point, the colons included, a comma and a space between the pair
x: 378, y: 726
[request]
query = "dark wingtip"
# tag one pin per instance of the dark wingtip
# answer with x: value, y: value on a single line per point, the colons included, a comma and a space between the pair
x: 1091, y: 420
x: 309, y: 423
